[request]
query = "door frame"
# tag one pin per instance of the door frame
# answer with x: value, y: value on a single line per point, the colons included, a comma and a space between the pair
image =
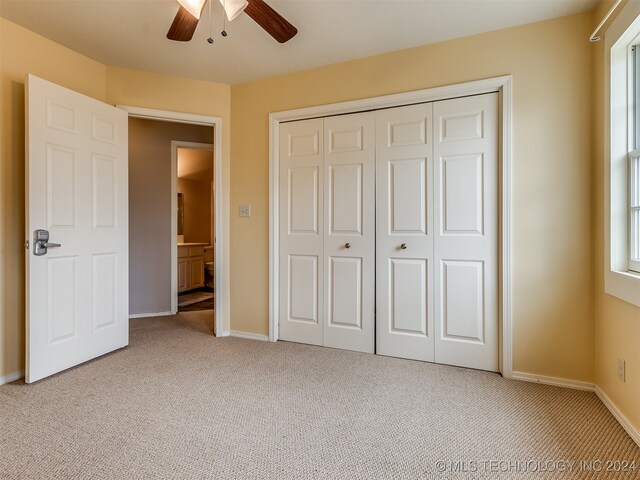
x: 503, y: 85
x: 221, y: 206
x: 175, y: 145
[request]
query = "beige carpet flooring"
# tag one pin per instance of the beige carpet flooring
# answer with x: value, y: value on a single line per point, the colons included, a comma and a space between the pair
x: 180, y: 404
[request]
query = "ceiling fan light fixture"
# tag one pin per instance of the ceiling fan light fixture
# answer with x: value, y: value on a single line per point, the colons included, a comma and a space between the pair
x: 194, y: 7
x: 233, y: 8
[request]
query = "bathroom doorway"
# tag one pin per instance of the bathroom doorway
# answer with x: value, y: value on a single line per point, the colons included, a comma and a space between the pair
x: 195, y: 224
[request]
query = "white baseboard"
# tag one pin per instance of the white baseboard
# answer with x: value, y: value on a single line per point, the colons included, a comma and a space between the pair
x: 558, y: 382
x: 145, y: 315
x: 249, y: 336
x: 12, y: 377
x: 619, y: 416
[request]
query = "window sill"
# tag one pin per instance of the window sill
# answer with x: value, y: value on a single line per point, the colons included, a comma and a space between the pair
x: 623, y: 285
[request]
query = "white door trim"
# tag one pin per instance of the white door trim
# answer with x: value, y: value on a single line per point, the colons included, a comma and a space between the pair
x: 502, y: 85
x: 221, y: 207
x: 175, y: 144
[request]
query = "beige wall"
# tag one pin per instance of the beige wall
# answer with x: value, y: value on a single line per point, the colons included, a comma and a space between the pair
x: 197, y: 210
x: 553, y: 331
x: 22, y: 52
x: 617, y: 323
x: 150, y: 237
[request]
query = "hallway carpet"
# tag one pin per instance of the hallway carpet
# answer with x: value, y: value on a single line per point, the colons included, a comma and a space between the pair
x: 179, y: 403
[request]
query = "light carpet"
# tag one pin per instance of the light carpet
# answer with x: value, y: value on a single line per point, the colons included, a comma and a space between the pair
x: 181, y: 404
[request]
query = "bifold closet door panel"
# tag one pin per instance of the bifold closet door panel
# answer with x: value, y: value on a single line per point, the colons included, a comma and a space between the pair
x: 404, y: 225
x: 466, y: 234
x: 301, y: 232
x: 349, y: 232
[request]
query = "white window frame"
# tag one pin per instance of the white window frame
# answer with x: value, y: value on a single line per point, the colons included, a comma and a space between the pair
x: 624, y: 32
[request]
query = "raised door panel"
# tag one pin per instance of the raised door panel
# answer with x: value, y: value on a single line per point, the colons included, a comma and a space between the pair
x: 344, y: 306
x: 408, y: 297
x: 463, y: 320
x: 303, y: 289
x: 303, y: 198
x: 183, y: 274
x: 62, y: 299
x: 466, y: 237
x: 196, y: 272
x: 346, y: 202
x: 105, y: 290
x: 61, y: 188
x: 349, y: 233
x: 462, y: 189
x: 407, y: 196
x: 404, y: 241
x: 301, y: 233
x: 105, y: 195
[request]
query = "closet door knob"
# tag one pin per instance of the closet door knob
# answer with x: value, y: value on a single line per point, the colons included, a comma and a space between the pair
x: 403, y: 246
x: 347, y: 245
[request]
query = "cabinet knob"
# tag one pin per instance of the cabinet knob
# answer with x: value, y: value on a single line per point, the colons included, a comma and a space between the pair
x: 347, y: 245
x: 403, y: 246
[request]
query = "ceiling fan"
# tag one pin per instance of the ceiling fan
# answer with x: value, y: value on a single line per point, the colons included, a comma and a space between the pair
x: 186, y: 20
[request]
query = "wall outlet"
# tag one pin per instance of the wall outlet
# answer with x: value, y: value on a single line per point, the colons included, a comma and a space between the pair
x: 621, y: 369
x: 245, y: 210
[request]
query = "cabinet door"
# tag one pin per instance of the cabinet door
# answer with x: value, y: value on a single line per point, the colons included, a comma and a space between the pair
x: 349, y: 233
x: 196, y: 272
x: 404, y: 239
x: 183, y: 274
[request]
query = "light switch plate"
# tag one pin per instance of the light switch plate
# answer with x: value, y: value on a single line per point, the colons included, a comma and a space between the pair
x: 245, y: 210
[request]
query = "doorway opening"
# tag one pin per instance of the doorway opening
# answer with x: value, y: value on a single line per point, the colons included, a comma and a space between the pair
x: 195, y: 224
x: 154, y: 281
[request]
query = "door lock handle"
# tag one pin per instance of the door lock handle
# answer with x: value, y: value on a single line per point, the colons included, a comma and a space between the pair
x: 41, y: 242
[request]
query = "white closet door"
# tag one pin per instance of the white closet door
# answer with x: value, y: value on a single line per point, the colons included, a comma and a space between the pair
x: 466, y: 236
x: 404, y: 242
x: 301, y: 232
x: 349, y: 234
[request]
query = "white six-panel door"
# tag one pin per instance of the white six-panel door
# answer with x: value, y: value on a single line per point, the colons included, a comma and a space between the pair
x: 404, y: 252
x: 466, y: 237
x: 349, y: 234
x: 403, y: 202
x: 76, y: 181
x: 301, y: 232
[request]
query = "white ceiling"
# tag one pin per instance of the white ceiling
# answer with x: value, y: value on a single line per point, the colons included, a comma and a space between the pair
x: 194, y: 164
x: 131, y: 33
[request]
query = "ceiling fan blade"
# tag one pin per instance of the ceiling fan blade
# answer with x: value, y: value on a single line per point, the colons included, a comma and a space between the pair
x: 274, y: 23
x: 183, y: 26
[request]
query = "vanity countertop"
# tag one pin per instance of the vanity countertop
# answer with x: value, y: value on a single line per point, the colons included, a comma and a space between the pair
x: 193, y: 244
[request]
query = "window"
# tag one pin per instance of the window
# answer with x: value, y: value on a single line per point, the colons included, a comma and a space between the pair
x: 622, y: 159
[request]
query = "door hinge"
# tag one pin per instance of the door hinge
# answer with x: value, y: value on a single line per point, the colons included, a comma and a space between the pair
x: 26, y: 244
